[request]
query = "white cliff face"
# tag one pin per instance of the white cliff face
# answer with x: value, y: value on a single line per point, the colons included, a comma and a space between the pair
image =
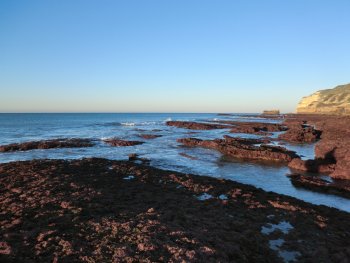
x: 330, y: 101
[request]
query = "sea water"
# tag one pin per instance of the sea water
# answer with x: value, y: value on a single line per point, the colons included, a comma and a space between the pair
x: 164, y: 152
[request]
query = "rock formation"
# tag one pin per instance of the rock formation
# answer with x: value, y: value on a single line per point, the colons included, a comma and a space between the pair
x: 121, y: 143
x: 47, y: 144
x: 329, y: 101
x: 196, y: 125
x: 243, y: 148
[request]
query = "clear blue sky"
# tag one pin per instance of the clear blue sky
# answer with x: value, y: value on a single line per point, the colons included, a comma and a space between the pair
x: 170, y: 56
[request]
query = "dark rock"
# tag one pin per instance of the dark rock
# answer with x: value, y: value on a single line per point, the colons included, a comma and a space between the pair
x: 149, y: 136
x: 314, y: 166
x: 243, y: 148
x: 334, y: 144
x: 46, y: 144
x: 196, y: 125
x: 258, y: 128
x: 122, y: 143
x: 89, y: 211
x: 317, y: 184
x: 133, y: 157
x: 300, y: 132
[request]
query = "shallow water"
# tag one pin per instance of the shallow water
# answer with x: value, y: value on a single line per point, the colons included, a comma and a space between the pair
x: 164, y: 151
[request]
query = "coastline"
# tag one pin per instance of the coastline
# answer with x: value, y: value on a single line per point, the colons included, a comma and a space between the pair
x: 95, y: 209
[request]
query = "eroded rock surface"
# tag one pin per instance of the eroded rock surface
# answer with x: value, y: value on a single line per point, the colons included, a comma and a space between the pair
x: 97, y: 210
x: 300, y: 132
x: 334, y: 144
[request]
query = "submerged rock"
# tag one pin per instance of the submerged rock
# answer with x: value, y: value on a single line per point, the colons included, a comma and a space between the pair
x: 47, y: 144
x: 149, y: 136
x: 122, y: 143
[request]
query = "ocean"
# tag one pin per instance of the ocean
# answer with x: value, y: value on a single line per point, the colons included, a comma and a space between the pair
x: 164, y: 152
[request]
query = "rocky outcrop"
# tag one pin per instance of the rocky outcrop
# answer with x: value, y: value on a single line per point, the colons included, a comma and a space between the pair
x: 98, y: 210
x: 318, y: 165
x: 149, y: 136
x: 299, y: 131
x: 243, y: 148
x: 258, y: 128
x: 334, y: 144
x: 46, y: 144
x: 320, y: 185
x: 122, y: 143
x: 329, y: 101
x: 196, y: 125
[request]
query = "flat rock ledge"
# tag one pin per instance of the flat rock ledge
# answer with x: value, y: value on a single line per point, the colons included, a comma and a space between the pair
x: 317, y: 184
x: 197, y: 125
x: 243, y: 148
x: 47, y: 144
x: 122, y: 143
x: 97, y: 210
x: 149, y: 136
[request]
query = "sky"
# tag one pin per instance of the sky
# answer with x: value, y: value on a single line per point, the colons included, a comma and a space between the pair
x: 170, y: 55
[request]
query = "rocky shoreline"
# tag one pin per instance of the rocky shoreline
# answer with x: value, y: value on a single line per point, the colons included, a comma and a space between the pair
x: 97, y: 210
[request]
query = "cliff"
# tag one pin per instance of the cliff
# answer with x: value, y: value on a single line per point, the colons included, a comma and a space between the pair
x: 329, y: 101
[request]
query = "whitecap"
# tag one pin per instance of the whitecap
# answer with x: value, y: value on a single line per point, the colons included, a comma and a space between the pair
x: 128, y: 123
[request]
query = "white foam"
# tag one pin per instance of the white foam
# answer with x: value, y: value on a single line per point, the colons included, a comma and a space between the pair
x: 128, y: 123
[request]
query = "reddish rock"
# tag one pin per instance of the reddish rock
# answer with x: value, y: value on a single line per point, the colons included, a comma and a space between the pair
x: 314, y: 166
x: 149, y: 136
x: 320, y: 185
x: 243, y: 148
x: 300, y: 132
x: 334, y: 144
x: 196, y: 125
x: 46, y: 144
x: 122, y: 143
x: 156, y: 216
x: 258, y: 128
